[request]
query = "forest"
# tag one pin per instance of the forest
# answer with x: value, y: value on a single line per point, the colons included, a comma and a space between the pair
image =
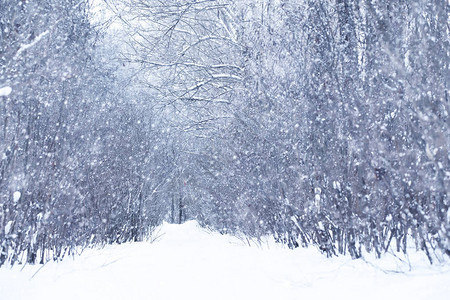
x: 320, y: 123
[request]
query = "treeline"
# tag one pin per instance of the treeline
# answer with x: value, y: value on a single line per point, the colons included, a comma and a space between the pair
x: 74, y: 149
x: 319, y: 122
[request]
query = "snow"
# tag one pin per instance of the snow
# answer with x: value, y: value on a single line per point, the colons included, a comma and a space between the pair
x: 8, y: 227
x: 24, y: 47
x: 5, y: 91
x: 16, y: 196
x: 187, y: 262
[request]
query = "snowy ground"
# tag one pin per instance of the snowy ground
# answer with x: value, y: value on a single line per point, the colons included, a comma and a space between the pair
x: 187, y: 262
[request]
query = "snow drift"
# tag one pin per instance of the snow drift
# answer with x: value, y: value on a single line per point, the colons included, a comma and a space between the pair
x: 188, y: 262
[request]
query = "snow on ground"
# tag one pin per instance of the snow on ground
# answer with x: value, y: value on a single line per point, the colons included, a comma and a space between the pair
x: 187, y: 262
